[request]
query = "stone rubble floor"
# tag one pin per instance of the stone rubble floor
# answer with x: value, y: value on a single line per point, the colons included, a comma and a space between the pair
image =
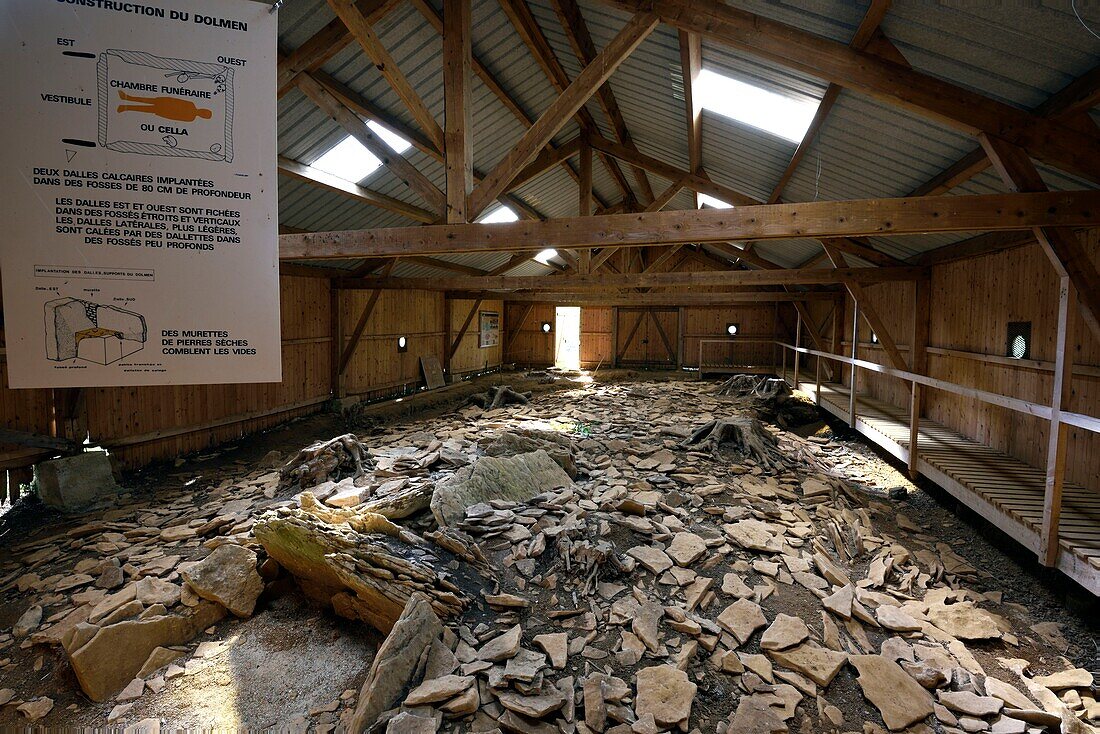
x: 664, y: 589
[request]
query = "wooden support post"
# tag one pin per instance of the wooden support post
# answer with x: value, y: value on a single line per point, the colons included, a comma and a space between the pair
x: 446, y: 350
x: 680, y: 339
x: 817, y: 380
x: 337, y: 346
x: 918, y: 358
x: 1059, y: 431
x: 797, y: 343
x: 456, y: 87
x: 615, y: 337
x: 584, y: 200
x: 854, y: 379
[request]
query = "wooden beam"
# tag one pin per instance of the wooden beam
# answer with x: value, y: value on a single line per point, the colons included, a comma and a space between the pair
x: 561, y: 109
x: 773, y: 221
x: 1058, y: 437
x: 695, y: 182
x: 824, y: 107
x: 662, y: 298
x: 870, y: 313
x: 658, y: 203
x: 918, y: 355
x: 727, y: 278
x: 361, y: 324
x: 1057, y: 144
x: 546, y: 160
x: 584, y: 203
x: 360, y: 28
x: 691, y: 63
x: 444, y: 265
x: 462, y: 332
x: 576, y: 31
x: 529, y: 31
x: 865, y: 252
x: 324, y: 44
x: 456, y: 91
x: 354, y: 126
x: 319, y: 178
x: 1074, y: 99
x: 494, y: 85
x: 1061, y: 246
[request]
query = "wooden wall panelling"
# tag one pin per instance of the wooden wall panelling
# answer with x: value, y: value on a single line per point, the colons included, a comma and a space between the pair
x: 377, y: 367
x: 469, y: 357
x: 530, y: 346
x: 596, y: 335
x: 755, y: 322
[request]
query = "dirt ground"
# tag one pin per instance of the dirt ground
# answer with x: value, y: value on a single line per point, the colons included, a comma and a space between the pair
x: 294, y: 666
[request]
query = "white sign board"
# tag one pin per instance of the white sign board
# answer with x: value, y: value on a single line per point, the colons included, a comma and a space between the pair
x: 139, y: 240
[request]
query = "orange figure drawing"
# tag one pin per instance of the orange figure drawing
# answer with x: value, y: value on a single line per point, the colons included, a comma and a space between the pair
x: 170, y: 108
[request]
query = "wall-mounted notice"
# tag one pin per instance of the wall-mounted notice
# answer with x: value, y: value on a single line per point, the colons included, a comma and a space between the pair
x: 139, y: 195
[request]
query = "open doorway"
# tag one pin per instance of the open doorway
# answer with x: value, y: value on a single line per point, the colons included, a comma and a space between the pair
x: 567, y: 346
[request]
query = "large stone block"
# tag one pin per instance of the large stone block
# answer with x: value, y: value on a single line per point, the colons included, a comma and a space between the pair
x: 75, y: 481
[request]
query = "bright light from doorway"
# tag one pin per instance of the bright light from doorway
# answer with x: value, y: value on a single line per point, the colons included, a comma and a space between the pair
x: 779, y: 115
x: 546, y: 255
x: 500, y: 214
x: 350, y: 161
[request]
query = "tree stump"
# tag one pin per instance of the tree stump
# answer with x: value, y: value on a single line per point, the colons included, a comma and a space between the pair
x: 745, y: 434
x: 499, y: 396
x: 333, y: 459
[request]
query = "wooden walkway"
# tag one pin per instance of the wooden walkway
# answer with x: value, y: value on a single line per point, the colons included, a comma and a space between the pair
x: 1004, y: 490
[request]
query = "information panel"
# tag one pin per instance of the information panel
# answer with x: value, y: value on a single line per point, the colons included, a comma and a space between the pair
x: 139, y: 242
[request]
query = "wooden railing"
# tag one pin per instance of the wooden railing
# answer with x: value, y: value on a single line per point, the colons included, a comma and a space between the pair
x: 1059, y: 419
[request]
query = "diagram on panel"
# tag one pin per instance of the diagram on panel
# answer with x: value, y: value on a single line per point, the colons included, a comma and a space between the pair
x: 154, y: 105
x: 93, y: 332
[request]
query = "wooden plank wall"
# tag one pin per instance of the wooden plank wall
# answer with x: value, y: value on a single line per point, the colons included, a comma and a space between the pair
x: 972, y: 302
x: 596, y: 332
x: 470, y: 357
x: 530, y: 347
x: 755, y: 322
x: 145, y: 424
x: 376, y: 367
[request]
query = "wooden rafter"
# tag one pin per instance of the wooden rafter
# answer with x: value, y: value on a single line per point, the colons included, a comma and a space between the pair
x: 1065, y: 252
x: 1060, y: 145
x: 523, y: 20
x: 693, y: 181
x: 359, y: 27
x: 772, y: 221
x: 459, y: 150
x: 659, y: 202
x: 352, y: 191
x: 1069, y: 104
x: 576, y: 31
x: 561, y: 109
x: 494, y: 85
x: 871, y: 20
x: 354, y: 126
x: 324, y: 44
x: 691, y: 63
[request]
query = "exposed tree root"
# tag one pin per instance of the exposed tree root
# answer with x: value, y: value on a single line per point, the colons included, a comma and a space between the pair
x: 499, y: 396
x: 333, y: 459
x: 745, y: 434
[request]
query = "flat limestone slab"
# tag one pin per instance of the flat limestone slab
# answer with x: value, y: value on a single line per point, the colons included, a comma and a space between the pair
x: 74, y: 482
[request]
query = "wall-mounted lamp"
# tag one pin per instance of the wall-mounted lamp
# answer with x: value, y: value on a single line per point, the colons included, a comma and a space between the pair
x: 733, y: 329
x: 402, y: 344
x: 546, y: 327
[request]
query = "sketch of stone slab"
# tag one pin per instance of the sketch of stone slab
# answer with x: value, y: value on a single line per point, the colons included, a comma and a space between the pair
x: 93, y: 332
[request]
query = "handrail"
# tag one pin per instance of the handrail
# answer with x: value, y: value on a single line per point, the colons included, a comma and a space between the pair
x: 1088, y: 423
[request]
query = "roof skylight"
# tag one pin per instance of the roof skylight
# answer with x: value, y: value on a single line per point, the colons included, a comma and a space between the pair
x: 545, y: 256
x: 500, y: 214
x: 350, y: 161
x: 784, y: 117
x: 706, y: 200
